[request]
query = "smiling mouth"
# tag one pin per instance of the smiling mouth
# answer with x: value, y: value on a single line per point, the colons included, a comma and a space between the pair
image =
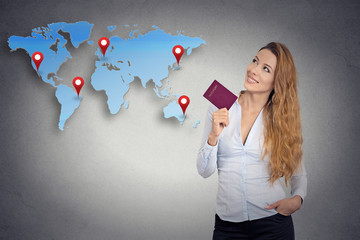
x: 251, y: 80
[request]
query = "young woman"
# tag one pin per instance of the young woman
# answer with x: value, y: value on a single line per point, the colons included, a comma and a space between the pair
x: 253, y: 145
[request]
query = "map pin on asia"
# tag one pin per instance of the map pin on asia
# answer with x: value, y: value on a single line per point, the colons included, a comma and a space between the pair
x: 37, y: 57
x: 104, y: 43
x: 184, y: 102
x: 78, y: 83
x: 178, y: 51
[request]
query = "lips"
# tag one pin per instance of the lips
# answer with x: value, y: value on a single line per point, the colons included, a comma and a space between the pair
x: 251, y: 80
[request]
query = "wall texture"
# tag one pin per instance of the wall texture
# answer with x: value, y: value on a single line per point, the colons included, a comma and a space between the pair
x: 133, y: 175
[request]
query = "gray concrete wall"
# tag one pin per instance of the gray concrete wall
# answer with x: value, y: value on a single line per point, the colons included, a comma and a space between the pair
x: 133, y: 175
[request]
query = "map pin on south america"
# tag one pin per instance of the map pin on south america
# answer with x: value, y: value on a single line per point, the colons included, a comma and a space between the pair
x: 104, y: 43
x: 78, y: 83
x: 184, y: 102
x: 178, y: 51
x: 37, y: 57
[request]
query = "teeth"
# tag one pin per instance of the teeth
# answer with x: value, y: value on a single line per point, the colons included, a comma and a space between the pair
x: 253, y: 81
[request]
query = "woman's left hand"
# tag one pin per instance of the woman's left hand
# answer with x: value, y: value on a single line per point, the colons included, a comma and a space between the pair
x: 286, y: 206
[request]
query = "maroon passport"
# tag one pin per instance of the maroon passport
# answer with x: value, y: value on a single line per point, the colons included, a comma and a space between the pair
x: 220, y: 96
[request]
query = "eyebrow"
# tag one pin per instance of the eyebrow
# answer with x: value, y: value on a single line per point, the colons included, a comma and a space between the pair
x: 264, y: 63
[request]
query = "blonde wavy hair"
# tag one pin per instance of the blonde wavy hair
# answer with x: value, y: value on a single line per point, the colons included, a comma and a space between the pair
x: 282, y: 127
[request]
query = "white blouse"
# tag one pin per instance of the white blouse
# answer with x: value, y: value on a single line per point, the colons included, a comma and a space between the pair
x: 244, y: 189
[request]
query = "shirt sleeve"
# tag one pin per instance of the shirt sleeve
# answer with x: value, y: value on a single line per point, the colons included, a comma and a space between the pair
x: 299, y: 182
x: 207, y: 156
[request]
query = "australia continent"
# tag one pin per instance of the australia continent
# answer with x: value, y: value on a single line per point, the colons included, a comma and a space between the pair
x: 147, y: 56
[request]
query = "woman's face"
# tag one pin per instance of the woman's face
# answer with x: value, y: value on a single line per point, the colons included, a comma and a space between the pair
x: 260, y: 73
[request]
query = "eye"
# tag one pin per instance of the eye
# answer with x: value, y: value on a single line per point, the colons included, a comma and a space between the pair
x: 254, y: 60
x: 267, y: 69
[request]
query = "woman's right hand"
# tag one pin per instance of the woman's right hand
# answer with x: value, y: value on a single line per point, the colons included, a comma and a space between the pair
x: 220, y: 119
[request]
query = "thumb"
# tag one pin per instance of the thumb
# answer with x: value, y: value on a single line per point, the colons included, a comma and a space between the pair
x: 272, y: 206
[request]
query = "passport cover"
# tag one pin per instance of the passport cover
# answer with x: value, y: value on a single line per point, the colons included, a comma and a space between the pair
x: 220, y: 96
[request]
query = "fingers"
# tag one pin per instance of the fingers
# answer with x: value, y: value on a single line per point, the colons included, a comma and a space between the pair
x: 283, y: 207
x: 222, y: 110
x: 220, y: 119
x: 269, y: 207
x: 221, y: 116
x: 274, y: 205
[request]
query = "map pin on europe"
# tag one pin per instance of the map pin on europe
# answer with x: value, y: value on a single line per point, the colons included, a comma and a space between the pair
x: 78, y: 83
x: 37, y: 57
x: 184, y: 102
x: 178, y: 51
x: 104, y: 43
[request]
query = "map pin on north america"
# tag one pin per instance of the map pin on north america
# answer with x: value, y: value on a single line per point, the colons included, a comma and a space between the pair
x: 37, y: 57
x: 178, y: 51
x: 78, y: 83
x: 184, y: 102
x: 104, y: 43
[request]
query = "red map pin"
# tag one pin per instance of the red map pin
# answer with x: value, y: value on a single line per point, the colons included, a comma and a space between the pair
x: 78, y: 83
x: 178, y: 51
x: 37, y: 57
x: 104, y: 43
x: 184, y: 102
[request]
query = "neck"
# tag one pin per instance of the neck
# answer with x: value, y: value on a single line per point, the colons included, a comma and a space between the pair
x: 253, y: 102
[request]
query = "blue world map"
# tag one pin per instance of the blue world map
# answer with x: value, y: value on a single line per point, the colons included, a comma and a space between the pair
x: 147, y: 56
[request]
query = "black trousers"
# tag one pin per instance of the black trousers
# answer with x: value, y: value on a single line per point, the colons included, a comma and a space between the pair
x: 277, y: 227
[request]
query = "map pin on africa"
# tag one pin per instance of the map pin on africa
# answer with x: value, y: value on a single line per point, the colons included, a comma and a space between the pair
x: 37, y: 57
x: 78, y: 82
x: 104, y: 43
x: 178, y: 51
x: 184, y: 102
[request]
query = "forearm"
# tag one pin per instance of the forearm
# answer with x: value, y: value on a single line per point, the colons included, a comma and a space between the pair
x: 299, y: 184
x: 206, y: 160
x: 212, y: 140
x: 207, y: 156
x: 298, y: 201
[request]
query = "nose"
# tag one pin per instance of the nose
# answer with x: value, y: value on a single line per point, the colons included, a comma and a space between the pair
x: 254, y: 70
